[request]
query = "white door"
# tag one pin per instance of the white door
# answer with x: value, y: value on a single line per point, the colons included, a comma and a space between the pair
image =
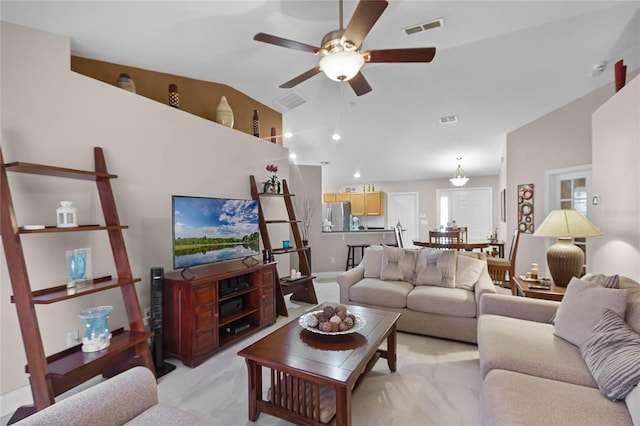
x: 403, y: 207
x: 470, y: 207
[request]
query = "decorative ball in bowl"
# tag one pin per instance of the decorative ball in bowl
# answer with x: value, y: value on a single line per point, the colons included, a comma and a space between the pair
x: 332, y: 320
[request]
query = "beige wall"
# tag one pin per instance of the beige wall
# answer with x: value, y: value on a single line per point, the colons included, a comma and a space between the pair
x: 51, y: 115
x: 616, y: 176
x: 557, y: 140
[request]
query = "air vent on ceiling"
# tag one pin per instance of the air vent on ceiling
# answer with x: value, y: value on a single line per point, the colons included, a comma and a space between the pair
x: 448, y: 119
x: 430, y: 25
x: 290, y: 101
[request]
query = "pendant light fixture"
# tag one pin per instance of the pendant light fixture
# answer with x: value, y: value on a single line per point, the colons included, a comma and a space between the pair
x: 459, y: 179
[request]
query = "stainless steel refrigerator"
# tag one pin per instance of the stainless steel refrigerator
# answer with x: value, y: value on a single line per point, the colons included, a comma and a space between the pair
x: 339, y: 214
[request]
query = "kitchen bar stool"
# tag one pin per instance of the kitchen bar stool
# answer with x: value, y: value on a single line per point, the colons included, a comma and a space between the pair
x: 351, y: 254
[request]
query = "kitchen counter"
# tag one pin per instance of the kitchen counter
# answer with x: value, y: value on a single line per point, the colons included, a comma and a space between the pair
x: 361, y: 231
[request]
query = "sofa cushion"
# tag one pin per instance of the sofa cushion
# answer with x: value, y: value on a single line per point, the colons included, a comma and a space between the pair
x: 468, y: 271
x: 436, y: 267
x: 398, y: 264
x: 612, y: 281
x: 480, y: 255
x: 612, y: 352
x: 454, y: 302
x: 529, y: 347
x: 510, y: 398
x: 632, y: 316
x: 165, y: 415
x: 372, y: 261
x: 372, y: 291
x: 582, y: 306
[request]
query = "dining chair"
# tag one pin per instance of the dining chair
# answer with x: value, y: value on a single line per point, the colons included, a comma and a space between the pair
x: 463, y: 234
x: 444, y: 239
x: 500, y: 267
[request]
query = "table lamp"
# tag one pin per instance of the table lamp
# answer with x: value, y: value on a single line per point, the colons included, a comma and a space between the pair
x: 565, y: 259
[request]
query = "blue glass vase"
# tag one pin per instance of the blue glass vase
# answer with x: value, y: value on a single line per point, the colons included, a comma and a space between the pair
x: 77, y: 266
x: 97, y: 334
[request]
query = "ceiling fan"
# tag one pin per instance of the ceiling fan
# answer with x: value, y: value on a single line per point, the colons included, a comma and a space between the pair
x: 340, y: 51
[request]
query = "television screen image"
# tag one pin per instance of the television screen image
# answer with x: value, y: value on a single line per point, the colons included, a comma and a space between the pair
x: 207, y: 230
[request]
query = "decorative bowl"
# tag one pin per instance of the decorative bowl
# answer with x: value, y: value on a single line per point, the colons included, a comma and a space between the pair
x: 357, y: 325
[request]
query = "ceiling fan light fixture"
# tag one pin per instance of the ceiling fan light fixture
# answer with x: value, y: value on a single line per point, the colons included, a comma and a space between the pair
x: 459, y: 178
x: 342, y: 66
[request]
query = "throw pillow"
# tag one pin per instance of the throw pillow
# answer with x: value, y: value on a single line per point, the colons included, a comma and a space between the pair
x: 633, y: 404
x: 372, y: 261
x: 390, y: 259
x: 611, y: 352
x: 582, y: 306
x: 435, y: 267
x: 612, y: 281
x: 468, y: 271
x: 481, y: 255
x: 407, y: 264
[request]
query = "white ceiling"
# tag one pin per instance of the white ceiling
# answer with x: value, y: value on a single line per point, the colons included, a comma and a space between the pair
x: 498, y: 66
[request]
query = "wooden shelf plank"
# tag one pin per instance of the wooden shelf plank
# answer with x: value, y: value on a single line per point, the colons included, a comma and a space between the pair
x: 40, y: 169
x: 80, y: 228
x: 61, y: 292
x: 231, y: 318
x: 271, y: 194
x: 67, y: 362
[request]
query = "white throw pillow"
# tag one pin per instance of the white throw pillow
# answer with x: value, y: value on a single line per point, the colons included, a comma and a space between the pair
x: 436, y: 267
x: 633, y: 404
x: 611, y: 281
x: 468, y: 271
x: 582, y: 306
x: 390, y: 258
x: 372, y: 261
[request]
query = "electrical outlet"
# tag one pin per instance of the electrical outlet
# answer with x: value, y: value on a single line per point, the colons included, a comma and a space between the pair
x: 73, y: 338
x: 146, y: 315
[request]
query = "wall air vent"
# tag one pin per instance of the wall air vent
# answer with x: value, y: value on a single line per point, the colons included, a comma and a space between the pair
x: 290, y: 100
x: 430, y: 25
x: 448, y: 119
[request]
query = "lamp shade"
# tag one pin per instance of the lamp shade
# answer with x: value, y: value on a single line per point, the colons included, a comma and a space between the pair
x: 342, y: 66
x: 564, y: 259
x: 459, y: 179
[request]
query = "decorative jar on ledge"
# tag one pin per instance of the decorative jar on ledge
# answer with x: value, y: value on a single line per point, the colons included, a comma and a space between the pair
x: 97, y: 335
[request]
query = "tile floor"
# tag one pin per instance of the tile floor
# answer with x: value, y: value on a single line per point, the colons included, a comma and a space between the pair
x: 437, y: 382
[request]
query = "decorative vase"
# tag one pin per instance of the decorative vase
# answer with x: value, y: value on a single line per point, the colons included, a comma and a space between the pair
x: 97, y: 335
x: 174, y: 96
x: 224, y: 113
x: 126, y: 82
x: 256, y: 124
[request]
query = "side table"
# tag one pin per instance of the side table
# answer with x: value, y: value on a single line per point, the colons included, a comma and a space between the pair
x: 523, y: 288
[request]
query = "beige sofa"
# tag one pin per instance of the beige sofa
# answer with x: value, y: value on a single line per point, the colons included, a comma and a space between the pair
x: 129, y: 398
x: 437, y: 292
x: 532, y: 376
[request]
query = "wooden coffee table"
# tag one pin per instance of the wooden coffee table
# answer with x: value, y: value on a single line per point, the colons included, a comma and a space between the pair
x: 312, y: 376
x: 524, y: 288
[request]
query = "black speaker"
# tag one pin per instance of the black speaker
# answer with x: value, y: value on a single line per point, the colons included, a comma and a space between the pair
x: 155, y: 323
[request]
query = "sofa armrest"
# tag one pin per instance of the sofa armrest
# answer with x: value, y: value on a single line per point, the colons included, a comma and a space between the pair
x: 348, y: 279
x: 519, y: 307
x: 483, y: 286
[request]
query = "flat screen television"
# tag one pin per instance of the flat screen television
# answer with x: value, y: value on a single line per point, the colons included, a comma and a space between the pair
x: 208, y: 230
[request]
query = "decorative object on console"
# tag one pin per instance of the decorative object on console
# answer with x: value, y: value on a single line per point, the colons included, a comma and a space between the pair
x: 620, y: 74
x: 174, y: 97
x: 97, y: 335
x: 78, y: 263
x: 256, y: 124
x: 459, y: 178
x: 224, y: 113
x: 66, y: 215
x: 273, y: 135
x: 565, y: 260
x: 273, y: 183
x: 525, y: 208
x: 305, y: 207
x: 126, y: 82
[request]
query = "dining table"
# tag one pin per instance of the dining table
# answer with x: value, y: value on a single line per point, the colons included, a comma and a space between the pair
x: 466, y: 245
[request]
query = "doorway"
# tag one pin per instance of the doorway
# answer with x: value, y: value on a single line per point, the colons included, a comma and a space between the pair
x: 470, y: 207
x: 403, y: 207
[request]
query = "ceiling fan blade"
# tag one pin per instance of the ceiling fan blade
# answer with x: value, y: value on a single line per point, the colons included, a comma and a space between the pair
x: 302, y: 77
x: 283, y: 42
x: 360, y: 85
x: 419, y: 54
x: 364, y: 18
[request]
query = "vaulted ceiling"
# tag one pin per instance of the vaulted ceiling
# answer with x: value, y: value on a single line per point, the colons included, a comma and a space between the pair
x: 498, y: 66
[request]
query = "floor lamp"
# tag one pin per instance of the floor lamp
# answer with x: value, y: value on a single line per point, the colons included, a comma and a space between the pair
x: 565, y: 259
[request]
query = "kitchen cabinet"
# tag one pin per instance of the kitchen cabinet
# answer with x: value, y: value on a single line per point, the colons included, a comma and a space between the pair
x: 335, y: 197
x: 374, y: 203
x: 362, y: 203
x: 357, y: 204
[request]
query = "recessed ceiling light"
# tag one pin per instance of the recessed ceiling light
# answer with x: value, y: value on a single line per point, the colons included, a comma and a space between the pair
x: 599, y: 68
x: 293, y: 155
x: 335, y: 137
x: 288, y: 134
x: 356, y: 175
